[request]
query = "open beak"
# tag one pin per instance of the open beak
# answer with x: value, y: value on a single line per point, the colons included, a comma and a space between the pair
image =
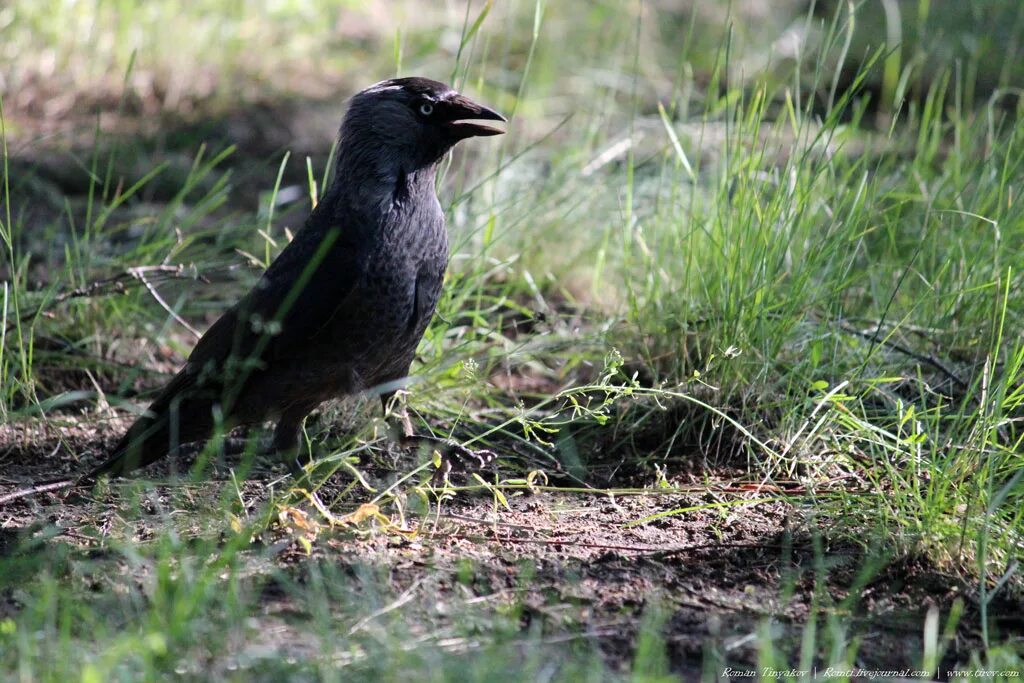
x: 463, y: 116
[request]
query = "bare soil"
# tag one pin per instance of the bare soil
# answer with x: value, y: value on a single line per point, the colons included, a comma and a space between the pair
x: 584, y: 565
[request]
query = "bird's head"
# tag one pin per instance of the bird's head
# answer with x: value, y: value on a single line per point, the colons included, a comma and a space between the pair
x: 416, y: 118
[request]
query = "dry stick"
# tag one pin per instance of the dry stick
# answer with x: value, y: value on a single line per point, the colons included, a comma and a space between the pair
x: 895, y: 346
x: 407, y: 595
x: 117, y: 284
x: 875, y: 337
x: 165, y: 306
x: 43, y: 487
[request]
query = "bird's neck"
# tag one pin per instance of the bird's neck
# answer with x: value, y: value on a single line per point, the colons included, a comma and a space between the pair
x: 372, y: 182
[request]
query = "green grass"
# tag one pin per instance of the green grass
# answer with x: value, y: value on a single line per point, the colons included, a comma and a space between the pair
x: 702, y: 246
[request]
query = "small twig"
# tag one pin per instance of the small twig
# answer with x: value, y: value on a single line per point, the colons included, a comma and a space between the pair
x: 874, y: 338
x: 115, y: 284
x: 405, y: 597
x: 43, y: 487
x: 160, y: 300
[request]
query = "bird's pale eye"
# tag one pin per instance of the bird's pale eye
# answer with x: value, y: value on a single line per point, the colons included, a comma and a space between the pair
x: 426, y: 108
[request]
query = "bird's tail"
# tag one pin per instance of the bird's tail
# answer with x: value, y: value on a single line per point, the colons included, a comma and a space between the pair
x: 145, y: 442
x: 174, y: 418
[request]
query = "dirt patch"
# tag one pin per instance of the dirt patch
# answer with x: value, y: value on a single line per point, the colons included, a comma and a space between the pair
x: 590, y: 566
x: 717, y: 577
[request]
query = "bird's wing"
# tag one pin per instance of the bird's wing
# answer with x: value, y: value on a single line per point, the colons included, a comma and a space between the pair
x: 307, y: 283
x: 301, y: 289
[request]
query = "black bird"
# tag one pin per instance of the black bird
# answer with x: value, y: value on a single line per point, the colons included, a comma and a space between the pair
x: 343, y: 307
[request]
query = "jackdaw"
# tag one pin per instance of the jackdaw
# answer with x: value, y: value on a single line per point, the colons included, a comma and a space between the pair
x: 343, y: 307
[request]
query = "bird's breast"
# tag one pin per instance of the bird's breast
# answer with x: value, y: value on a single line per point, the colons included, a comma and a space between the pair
x: 395, y: 297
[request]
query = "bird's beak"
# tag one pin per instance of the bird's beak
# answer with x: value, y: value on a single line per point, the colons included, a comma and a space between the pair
x: 462, y: 116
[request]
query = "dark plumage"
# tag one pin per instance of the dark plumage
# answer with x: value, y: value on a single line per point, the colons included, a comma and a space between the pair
x: 343, y: 307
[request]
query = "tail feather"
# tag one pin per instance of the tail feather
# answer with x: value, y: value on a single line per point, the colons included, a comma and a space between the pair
x: 145, y: 442
x: 175, y: 417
